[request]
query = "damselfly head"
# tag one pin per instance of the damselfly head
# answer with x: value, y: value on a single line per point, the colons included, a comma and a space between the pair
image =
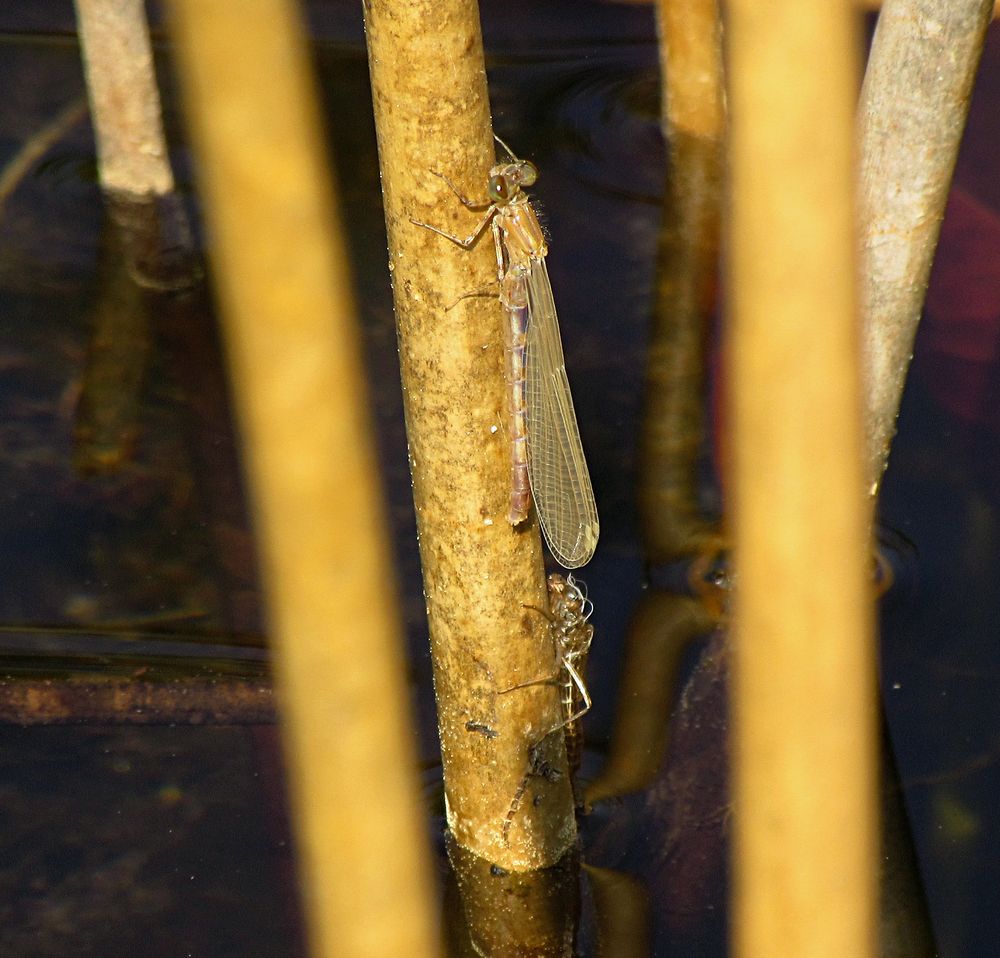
x: 506, y: 181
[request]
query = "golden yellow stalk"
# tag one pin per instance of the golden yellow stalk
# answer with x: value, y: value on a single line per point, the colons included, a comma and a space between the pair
x: 483, y: 578
x: 295, y: 362
x: 804, y: 670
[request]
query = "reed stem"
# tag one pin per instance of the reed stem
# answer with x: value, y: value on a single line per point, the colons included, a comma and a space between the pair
x: 914, y: 104
x: 483, y: 578
x: 806, y: 835
x: 124, y: 100
x: 295, y: 362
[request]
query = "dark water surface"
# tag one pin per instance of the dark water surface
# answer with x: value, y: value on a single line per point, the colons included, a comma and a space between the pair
x: 158, y: 840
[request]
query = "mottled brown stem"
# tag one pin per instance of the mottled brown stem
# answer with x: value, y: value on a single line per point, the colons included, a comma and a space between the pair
x: 672, y: 432
x: 483, y: 578
x: 124, y: 100
x: 804, y: 718
x: 913, y: 109
x: 295, y: 361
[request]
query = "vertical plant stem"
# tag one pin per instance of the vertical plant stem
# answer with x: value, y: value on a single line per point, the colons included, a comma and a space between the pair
x: 295, y: 360
x: 124, y: 100
x: 483, y: 579
x: 914, y: 104
x: 805, y: 709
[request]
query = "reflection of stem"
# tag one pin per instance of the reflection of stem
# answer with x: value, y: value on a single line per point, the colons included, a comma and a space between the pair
x: 146, y: 247
x: 673, y: 420
x: 955, y: 773
x: 904, y: 920
x: 515, y: 913
x: 37, y: 145
x: 623, y: 914
x: 913, y: 108
x: 128, y: 702
x: 156, y: 240
x: 662, y: 630
x: 107, y: 418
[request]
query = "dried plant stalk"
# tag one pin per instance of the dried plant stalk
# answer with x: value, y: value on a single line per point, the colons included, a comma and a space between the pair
x: 806, y: 835
x: 124, y: 99
x: 295, y: 359
x: 483, y: 578
x: 914, y: 105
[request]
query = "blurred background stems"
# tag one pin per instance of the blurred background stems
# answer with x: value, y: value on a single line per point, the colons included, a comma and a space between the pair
x: 483, y: 579
x: 294, y: 355
x: 804, y: 715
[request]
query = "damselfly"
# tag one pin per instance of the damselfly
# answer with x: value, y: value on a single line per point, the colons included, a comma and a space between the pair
x: 569, y: 615
x: 544, y: 438
x: 573, y: 633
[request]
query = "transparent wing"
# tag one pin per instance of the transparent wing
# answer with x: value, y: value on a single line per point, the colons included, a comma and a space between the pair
x: 557, y: 469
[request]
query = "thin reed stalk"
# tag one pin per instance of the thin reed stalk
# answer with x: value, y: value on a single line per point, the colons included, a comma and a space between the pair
x: 914, y: 104
x: 295, y: 363
x: 124, y: 100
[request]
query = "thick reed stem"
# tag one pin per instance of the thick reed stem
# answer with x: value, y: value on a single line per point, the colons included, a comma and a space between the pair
x: 804, y: 672
x: 295, y: 361
x: 483, y: 578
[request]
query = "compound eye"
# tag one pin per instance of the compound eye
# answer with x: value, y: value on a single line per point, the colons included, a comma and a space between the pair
x: 499, y: 189
x: 529, y: 173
